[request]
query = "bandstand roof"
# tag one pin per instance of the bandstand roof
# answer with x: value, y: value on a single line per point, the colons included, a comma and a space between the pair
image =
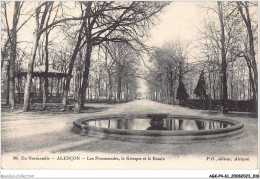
x: 40, y: 72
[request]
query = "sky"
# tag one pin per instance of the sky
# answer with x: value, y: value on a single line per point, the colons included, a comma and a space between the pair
x: 179, y: 20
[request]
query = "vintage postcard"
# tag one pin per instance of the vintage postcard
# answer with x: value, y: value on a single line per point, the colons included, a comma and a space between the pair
x: 129, y: 85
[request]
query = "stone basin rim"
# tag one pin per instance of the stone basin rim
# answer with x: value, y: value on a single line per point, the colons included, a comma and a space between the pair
x: 80, y: 126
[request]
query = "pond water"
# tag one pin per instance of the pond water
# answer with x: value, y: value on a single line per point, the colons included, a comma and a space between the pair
x: 165, y: 124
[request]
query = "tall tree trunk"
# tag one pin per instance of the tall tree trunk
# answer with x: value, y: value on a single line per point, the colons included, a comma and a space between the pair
x: 252, y: 81
x: 51, y: 86
x: 224, y: 60
x: 45, y: 84
x: 29, y: 73
x: 3, y: 53
x: 78, y: 84
x: 127, y: 92
x: 171, y: 89
x: 75, y: 88
x: 106, y: 91
x: 37, y: 35
x: 35, y: 86
x: 90, y: 93
x: 209, y: 97
x: 7, y: 82
x: 247, y: 20
x: 119, y: 90
x: 85, y: 75
x: 61, y: 87
x: 71, y: 65
x: 99, y: 88
x: 13, y: 55
x: 88, y: 29
x: 214, y: 85
x: 110, y: 87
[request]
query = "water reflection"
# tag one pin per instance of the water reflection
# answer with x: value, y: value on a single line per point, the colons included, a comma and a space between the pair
x: 157, y: 125
x: 165, y: 124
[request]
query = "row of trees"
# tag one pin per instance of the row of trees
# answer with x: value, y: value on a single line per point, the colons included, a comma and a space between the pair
x: 167, y: 72
x: 228, y: 52
x: 94, y: 38
x: 229, y: 48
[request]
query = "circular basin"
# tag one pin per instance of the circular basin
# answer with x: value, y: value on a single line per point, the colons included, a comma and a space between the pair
x: 192, y: 127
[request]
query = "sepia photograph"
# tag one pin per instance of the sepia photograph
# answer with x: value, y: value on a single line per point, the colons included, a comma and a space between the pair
x: 139, y: 85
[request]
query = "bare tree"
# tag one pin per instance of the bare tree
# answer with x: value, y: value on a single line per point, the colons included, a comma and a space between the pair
x: 40, y: 21
x: 6, y: 28
x: 77, y: 48
x: 224, y: 58
x: 125, y: 64
x: 47, y: 32
x: 170, y: 62
x: 249, y: 54
x: 13, y: 43
x: 218, y: 43
x: 110, y: 67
